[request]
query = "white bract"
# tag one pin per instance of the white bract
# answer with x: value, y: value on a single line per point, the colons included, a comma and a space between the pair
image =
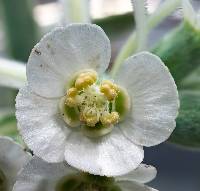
x: 72, y: 110
x: 39, y: 175
x: 12, y: 159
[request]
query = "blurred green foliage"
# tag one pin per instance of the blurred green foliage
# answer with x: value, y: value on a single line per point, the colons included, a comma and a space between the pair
x: 8, y: 125
x: 21, y: 30
x: 192, y: 81
x: 187, y: 131
x: 180, y: 51
x: 115, y: 26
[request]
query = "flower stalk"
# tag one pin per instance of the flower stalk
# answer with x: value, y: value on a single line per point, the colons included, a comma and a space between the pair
x: 140, y: 19
x: 75, y: 11
x: 131, y: 45
x: 12, y: 73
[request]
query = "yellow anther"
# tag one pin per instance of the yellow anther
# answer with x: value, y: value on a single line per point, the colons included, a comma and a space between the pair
x: 115, y: 117
x: 71, y: 97
x: 72, y: 92
x: 81, y: 117
x: 111, y: 95
x: 70, y: 101
x: 92, y: 74
x: 91, y: 121
x: 85, y: 79
x: 110, y: 118
x: 109, y: 89
x: 110, y: 84
x: 88, y: 80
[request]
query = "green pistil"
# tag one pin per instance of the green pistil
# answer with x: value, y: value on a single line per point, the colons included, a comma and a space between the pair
x: 122, y: 103
x: 71, y: 113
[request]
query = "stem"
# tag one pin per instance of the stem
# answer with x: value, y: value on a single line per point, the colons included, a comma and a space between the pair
x: 140, y: 19
x: 12, y: 73
x: 131, y: 44
x: 75, y: 11
x: 162, y: 12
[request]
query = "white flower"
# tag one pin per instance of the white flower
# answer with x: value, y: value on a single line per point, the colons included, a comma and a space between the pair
x: 71, y: 110
x: 39, y: 175
x: 12, y: 159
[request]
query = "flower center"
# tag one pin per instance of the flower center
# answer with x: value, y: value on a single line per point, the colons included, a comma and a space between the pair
x: 3, y: 183
x: 86, y: 182
x: 92, y: 103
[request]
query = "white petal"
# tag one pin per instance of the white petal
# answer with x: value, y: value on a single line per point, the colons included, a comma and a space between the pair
x: 65, y: 51
x: 134, y: 186
x: 12, y: 159
x: 154, y: 99
x: 143, y: 174
x: 40, y: 125
x: 110, y: 155
x: 39, y: 175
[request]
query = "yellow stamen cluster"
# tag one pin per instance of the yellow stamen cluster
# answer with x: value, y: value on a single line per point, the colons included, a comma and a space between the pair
x: 92, y: 101
x: 109, y: 89
x: 85, y: 79
x: 71, y: 97
x: 110, y: 118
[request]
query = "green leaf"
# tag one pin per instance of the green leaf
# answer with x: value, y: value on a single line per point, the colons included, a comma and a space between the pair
x: 187, y: 131
x: 8, y: 125
x: 192, y: 81
x: 179, y: 50
x: 115, y: 26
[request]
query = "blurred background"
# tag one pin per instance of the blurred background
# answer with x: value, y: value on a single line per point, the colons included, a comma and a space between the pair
x: 24, y: 22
